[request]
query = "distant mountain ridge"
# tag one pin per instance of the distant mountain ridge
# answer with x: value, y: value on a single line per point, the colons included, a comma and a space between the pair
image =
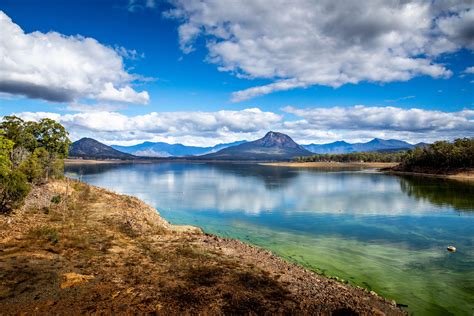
x: 161, y: 149
x: 88, y: 148
x: 273, y: 146
x: 376, y: 144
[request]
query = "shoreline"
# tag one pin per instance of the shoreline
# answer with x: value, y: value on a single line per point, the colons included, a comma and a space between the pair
x: 134, y: 235
x: 461, y: 176
x: 73, y: 161
x: 385, y: 167
x: 329, y: 165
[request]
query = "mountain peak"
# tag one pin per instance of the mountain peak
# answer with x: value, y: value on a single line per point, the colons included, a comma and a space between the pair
x: 90, y: 148
x: 273, y: 146
x: 376, y: 140
x: 276, y: 139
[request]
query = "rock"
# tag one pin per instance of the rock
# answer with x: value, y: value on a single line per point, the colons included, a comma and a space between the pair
x: 451, y: 249
x: 74, y: 279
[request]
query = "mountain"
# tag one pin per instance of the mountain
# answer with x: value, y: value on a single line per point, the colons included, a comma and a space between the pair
x: 339, y: 147
x: 273, y: 146
x: 89, y: 148
x: 160, y: 149
x: 376, y: 144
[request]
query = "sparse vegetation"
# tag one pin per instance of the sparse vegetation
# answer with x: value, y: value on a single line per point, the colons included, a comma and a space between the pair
x: 30, y: 153
x: 46, y: 233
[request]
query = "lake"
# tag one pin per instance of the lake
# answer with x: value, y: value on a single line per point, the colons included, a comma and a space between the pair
x: 382, y: 232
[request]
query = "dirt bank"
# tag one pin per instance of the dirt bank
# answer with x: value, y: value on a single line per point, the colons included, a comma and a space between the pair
x: 330, y: 165
x: 74, y: 248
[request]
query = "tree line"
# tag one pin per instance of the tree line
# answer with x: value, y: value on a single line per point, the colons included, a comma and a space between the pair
x: 30, y: 154
x: 354, y: 157
x: 439, y: 157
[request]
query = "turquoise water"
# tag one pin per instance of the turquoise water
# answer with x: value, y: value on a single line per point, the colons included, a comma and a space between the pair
x: 385, y: 233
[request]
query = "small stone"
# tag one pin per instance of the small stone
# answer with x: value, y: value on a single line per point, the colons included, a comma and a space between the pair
x: 451, y: 249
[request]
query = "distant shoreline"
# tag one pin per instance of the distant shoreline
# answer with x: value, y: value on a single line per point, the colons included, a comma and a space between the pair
x: 329, y: 165
x: 72, y: 161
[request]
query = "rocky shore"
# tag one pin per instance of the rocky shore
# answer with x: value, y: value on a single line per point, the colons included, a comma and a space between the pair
x: 75, y: 248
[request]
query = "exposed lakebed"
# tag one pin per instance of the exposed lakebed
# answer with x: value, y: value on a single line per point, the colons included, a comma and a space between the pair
x: 385, y: 233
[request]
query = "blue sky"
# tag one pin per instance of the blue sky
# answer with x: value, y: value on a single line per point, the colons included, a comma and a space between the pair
x: 201, y: 72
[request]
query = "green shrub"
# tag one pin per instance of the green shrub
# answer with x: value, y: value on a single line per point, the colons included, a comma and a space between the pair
x: 56, y: 199
x: 6, y: 147
x: 14, y: 187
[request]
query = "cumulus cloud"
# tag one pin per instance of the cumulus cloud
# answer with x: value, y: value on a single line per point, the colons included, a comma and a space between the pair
x: 362, y: 122
x: 329, y: 43
x: 361, y: 117
x: 192, y: 128
x: 311, y: 125
x: 59, y: 68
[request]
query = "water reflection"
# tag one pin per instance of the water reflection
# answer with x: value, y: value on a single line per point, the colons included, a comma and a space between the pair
x: 255, y: 189
x: 441, y: 192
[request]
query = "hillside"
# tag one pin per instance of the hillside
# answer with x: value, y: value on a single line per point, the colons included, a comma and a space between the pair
x: 273, y: 146
x: 161, y: 149
x: 88, y: 148
x: 77, y: 249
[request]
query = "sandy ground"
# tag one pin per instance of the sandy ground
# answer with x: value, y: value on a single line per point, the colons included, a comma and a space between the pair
x: 78, y: 249
x: 332, y: 164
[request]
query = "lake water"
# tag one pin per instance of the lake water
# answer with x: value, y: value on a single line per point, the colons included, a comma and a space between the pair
x: 385, y: 233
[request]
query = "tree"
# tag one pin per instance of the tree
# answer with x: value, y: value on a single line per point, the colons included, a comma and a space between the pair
x: 52, y: 136
x: 30, y: 153
x: 19, y: 131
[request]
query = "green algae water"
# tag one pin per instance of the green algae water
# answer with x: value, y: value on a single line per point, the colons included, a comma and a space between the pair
x: 382, y: 232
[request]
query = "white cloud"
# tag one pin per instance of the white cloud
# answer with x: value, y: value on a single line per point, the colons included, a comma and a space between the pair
x: 59, y: 68
x: 469, y: 70
x: 313, y: 125
x: 125, y: 94
x: 360, y: 123
x: 192, y: 128
x: 303, y: 42
x: 361, y: 117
